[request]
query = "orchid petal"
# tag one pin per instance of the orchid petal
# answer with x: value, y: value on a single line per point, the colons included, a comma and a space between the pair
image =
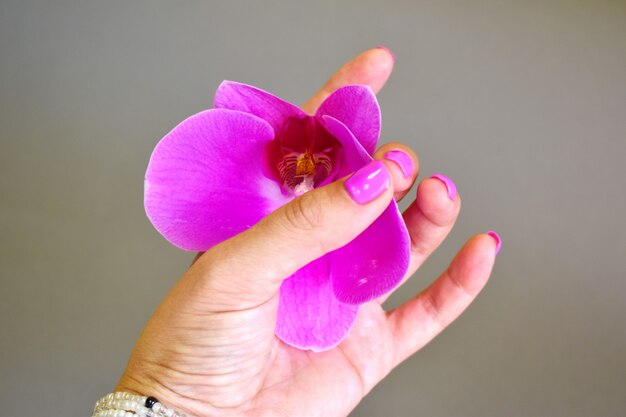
x: 309, y: 316
x: 246, y: 98
x: 356, y: 107
x: 374, y: 262
x: 353, y: 155
x: 205, y: 182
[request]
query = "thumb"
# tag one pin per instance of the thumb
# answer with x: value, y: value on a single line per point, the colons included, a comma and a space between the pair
x: 248, y: 269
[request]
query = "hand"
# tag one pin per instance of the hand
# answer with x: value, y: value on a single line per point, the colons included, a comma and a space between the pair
x: 210, y: 349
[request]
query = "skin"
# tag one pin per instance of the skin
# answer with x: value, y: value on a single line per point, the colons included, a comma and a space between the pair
x: 210, y: 350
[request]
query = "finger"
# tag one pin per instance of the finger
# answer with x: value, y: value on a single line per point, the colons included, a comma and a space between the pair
x: 372, y: 67
x: 419, y: 320
x: 249, y: 268
x: 403, y: 165
x: 429, y: 219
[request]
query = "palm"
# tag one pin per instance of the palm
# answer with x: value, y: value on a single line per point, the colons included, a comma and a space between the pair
x: 238, y: 373
x: 340, y: 377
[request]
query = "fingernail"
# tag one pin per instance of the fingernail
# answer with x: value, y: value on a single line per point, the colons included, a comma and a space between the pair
x: 404, y: 161
x: 393, y: 56
x: 368, y: 182
x: 449, y: 184
x: 497, y: 238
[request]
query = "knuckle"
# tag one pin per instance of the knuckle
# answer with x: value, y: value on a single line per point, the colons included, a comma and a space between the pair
x: 433, y: 311
x: 305, y: 213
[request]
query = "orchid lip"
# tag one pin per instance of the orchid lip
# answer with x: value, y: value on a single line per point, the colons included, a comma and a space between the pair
x: 302, y: 156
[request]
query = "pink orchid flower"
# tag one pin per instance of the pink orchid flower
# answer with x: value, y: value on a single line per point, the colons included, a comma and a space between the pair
x: 222, y: 170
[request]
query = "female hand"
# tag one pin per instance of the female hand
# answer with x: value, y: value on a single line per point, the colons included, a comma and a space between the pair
x: 210, y: 349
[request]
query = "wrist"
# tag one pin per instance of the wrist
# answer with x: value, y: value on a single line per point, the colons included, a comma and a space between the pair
x: 125, y: 404
x: 166, y: 397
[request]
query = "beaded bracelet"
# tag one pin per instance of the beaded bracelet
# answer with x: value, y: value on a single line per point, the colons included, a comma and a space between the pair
x: 125, y: 404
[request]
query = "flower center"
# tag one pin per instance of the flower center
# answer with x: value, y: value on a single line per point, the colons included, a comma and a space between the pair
x: 302, y: 156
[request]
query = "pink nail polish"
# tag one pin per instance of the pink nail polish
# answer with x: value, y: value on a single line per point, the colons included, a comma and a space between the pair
x: 404, y: 161
x: 497, y: 238
x: 393, y: 56
x: 368, y: 182
x: 449, y: 184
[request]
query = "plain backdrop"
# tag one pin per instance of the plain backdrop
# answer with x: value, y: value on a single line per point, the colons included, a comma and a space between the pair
x: 522, y: 103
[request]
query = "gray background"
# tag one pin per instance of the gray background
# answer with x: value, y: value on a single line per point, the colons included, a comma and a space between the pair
x: 522, y: 103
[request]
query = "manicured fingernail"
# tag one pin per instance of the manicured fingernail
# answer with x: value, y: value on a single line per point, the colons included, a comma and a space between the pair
x: 393, y: 56
x: 404, y: 161
x: 497, y: 238
x: 449, y: 184
x: 368, y: 182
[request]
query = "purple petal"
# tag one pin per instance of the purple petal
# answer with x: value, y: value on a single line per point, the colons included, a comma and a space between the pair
x: 373, y: 263
x: 236, y: 96
x: 356, y: 107
x: 204, y: 182
x: 309, y: 316
x: 353, y: 155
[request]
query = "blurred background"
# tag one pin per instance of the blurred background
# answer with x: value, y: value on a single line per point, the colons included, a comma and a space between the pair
x: 522, y: 103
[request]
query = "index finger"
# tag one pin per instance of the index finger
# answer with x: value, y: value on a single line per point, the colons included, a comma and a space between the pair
x: 372, y: 68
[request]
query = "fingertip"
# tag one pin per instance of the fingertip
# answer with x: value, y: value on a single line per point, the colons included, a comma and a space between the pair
x: 433, y: 200
x: 402, y: 160
x: 371, y: 67
x: 368, y: 183
x: 485, y: 245
x: 497, y: 239
x: 389, y: 51
x: 474, y: 262
x: 450, y: 185
x: 481, y: 243
x: 383, y: 58
x: 402, y: 163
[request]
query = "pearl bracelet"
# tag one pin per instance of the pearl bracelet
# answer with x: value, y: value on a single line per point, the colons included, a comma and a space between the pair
x: 125, y: 404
